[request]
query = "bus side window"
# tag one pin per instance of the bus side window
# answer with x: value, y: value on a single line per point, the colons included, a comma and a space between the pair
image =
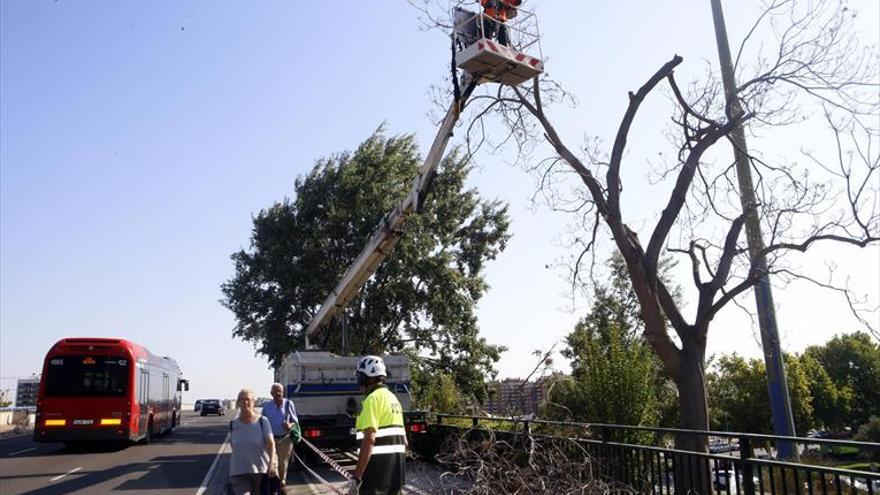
x: 144, y: 392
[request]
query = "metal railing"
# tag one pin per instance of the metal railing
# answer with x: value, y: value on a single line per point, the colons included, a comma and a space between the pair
x: 737, y: 463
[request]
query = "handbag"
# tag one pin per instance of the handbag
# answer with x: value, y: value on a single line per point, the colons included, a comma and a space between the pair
x: 270, y: 485
x: 295, y: 433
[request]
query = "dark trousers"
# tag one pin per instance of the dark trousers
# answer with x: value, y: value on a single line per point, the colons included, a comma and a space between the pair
x: 491, y: 28
x: 373, y: 491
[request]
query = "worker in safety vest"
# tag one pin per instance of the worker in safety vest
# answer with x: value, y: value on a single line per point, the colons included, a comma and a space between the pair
x: 381, y: 465
x: 498, y: 13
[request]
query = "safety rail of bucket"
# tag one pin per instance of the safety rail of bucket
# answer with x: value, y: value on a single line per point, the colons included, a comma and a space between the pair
x: 497, y: 51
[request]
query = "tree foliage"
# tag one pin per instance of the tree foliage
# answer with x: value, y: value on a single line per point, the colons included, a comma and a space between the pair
x: 615, y: 376
x: 832, y: 386
x: 422, y: 298
x: 870, y: 431
x: 739, y: 399
x: 436, y: 392
x: 832, y: 402
x: 852, y: 362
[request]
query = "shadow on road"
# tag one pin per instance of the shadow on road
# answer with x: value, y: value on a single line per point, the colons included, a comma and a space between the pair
x: 164, y: 472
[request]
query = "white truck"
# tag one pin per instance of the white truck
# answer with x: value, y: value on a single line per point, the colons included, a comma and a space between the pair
x: 324, y: 389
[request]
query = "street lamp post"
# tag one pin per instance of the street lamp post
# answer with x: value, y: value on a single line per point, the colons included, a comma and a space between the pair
x: 780, y: 404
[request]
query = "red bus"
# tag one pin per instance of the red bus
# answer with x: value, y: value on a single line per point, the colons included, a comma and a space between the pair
x: 106, y: 389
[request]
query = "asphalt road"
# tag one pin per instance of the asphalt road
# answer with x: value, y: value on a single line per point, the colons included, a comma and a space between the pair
x: 179, y: 463
x: 173, y: 464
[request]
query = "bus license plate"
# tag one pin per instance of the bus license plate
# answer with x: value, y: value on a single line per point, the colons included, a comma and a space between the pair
x: 83, y: 421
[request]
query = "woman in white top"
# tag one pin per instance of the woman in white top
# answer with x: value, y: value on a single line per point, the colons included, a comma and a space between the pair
x: 253, y: 448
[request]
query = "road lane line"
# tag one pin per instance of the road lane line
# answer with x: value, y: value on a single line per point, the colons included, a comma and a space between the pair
x: 21, y: 451
x: 65, y: 474
x: 204, y: 486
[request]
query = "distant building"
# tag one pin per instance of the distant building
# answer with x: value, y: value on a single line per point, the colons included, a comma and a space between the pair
x: 26, y: 392
x: 515, y: 396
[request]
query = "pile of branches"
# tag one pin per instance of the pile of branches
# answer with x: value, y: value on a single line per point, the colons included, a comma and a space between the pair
x: 479, y: 463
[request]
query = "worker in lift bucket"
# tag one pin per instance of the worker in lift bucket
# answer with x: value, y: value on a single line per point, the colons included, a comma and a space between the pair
x: 495, y: 14
x: 381, y: 465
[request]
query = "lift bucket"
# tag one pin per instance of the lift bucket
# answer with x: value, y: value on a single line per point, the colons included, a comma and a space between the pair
x: 497, y: 51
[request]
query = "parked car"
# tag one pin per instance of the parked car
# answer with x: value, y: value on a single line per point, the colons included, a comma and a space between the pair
x: 861, y: 484
x: 722, y: 480
x: 213, y: 406
x: 198, y: 405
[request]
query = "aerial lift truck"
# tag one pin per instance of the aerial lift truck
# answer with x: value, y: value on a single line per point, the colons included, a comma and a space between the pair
x: 323, y: 385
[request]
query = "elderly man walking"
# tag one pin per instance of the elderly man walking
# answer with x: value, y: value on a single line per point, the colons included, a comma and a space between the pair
x: 281, y: 414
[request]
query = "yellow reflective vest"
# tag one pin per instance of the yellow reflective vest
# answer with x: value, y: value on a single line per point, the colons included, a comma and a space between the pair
x: 381, y: 411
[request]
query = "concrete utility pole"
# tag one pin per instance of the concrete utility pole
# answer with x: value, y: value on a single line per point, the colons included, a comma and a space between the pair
x: 780, y: 404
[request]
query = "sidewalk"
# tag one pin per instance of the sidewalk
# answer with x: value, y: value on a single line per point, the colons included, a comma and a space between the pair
x: 8, y: 431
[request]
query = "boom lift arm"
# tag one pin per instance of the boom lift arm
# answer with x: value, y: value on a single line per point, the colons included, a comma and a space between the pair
x: 388, y: 233
x: 483, y: 59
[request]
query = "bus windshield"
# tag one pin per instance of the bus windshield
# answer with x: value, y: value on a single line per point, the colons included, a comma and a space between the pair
x: 87, y: 376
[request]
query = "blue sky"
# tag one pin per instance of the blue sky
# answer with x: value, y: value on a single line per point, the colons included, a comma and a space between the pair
x: 138, y: 138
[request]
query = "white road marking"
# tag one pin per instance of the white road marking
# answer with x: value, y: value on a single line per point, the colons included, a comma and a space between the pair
x: 21, y: 451
x: 65, y: 474
x: 204, y: 486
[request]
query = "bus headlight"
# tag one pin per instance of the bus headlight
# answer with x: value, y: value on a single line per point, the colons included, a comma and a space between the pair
x: 55, y: 422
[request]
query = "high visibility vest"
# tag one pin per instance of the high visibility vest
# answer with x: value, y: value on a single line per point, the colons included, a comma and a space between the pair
x: 381, y: 411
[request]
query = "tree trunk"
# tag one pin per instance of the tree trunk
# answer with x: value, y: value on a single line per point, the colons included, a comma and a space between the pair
x: 692, y: 473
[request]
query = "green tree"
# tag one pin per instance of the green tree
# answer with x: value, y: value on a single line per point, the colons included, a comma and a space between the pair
x: 4, y: 398
x: 422, y: 298
x: 852, y: 361
x: 738, y: 395
x: 739, y: 399
x: 616, y: 378
x: 614, y: 374
x: 800, y: 392
x: 436, y: 392
x: 831, y: 403
x: 870, y: 431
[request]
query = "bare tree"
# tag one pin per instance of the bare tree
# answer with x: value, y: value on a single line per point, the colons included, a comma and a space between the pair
x: 816, y: 63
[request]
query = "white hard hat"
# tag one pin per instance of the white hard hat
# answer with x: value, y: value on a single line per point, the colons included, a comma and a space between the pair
x: 371, y: 366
